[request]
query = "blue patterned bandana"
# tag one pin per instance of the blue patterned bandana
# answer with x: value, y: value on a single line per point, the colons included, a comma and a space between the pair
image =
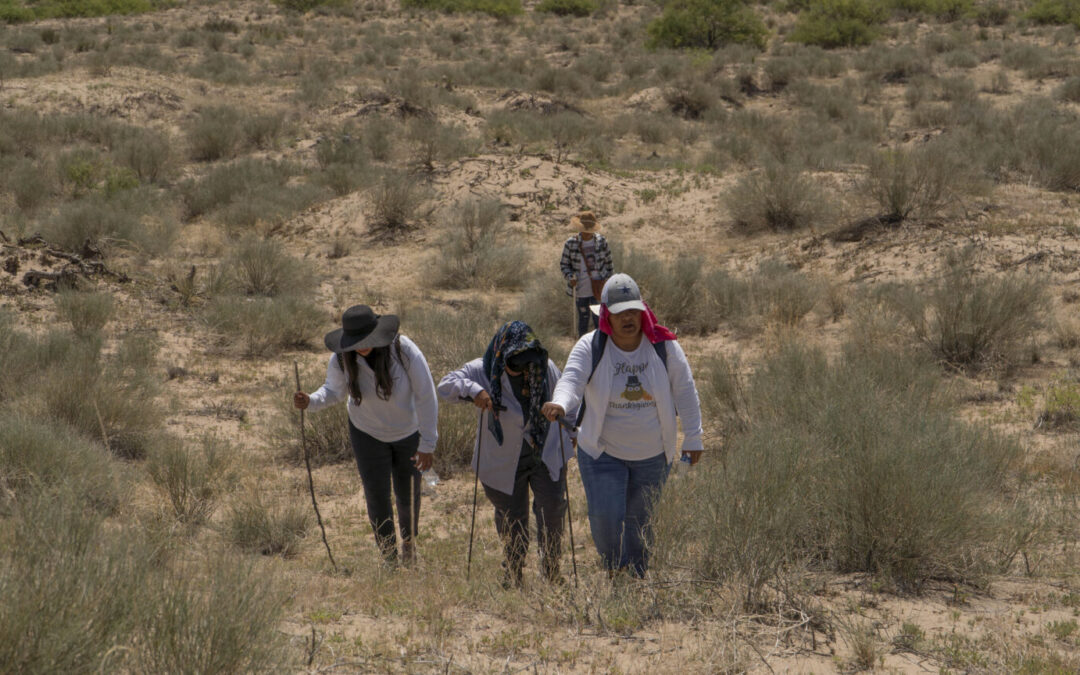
x: 513, y: 338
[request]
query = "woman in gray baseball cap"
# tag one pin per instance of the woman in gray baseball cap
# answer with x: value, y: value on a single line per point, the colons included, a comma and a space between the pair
x: 633, y: 380
x: 393, y: 417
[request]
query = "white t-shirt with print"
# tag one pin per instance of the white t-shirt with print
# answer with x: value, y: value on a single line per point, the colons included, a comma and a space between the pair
x: 631, y: 429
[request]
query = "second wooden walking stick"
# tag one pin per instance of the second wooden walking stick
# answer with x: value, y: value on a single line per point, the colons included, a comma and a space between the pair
x: 566, y: 484
x: 475, y: 490
x: 310, y: 480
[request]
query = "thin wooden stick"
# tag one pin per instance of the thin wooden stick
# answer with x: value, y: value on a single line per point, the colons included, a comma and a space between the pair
x: 310, y: 480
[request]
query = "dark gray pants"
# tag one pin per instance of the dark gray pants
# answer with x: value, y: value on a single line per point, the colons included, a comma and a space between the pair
x: 512, y: 516
x: 381, y: 466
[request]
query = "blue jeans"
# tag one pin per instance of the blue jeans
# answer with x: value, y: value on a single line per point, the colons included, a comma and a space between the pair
x: 620, y: 494
x: 584, y: 314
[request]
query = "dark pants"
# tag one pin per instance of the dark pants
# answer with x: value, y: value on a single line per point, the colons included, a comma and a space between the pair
x: 512, y: 517
x: 382, y: 465
x: 584, y: 314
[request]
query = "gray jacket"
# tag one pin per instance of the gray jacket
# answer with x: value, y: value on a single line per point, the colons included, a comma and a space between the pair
x: 499, y: 463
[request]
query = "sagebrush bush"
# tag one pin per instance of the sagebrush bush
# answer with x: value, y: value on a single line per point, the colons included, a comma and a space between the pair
x: 220, y: 617
x: 326, y: 432
x: 81, y: 596
x: 247, y: 192
x: 395, y: 203
x: 255, y: 527
x: 149, y: 154
x: 191, y: 479
x: 778, y: 198
x: 43, y: 456
x: 910, y: 183
x: 838, y: 23
x: 707, y: 24
x: 111, y: 398
x: 262, y: 325
x: 1069, y: 90
x: 131, y: 219
x: 86, y: 312
x: 546, y: 307
x: 477, y: 249
x: 810, y: 482
x: 262, y: 267
x: 215, y: 133
x: 974, y: 320
x: 71, y: 587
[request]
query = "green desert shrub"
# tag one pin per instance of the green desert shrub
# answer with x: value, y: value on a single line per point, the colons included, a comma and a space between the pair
x: 266, y: 304
x: 707, y: 24
x: 129, y: 219
x: 807, y: 482
x: 502, y: 9
x: 262, y: 325
x: 15, y: 11
x: 36, y: 456
x: 912, y: 183
x: 944, y: 10
x: 87, y: 312
x: 215, y: 133
x: 972, y: 320
x: 191, y: 479
x: 107, y: 397
x: 546, y: 306
x: 255, y: 527
x: 82, y: 596
x: 222, y: 616
x: 1055, y: 12
x: 247, y: 193
x: 1069, y: 90
x: 71, y: 587
x: 478, y: 250
x: 838, y: 23
x: 396, y: 203
x: 262, y: 267
x: 567, y: 7
x: 777, y: 198
x: 451, y: 337
x: 326, y: 432
x: 148, y: 153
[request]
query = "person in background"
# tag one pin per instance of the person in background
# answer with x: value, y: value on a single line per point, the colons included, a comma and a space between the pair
x: 585, y: 264
x: 393, y: 418
x: 633, y: 379
x: 518, y: 450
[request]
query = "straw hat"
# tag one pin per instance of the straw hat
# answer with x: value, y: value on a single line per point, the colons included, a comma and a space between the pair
x: 585, y: 222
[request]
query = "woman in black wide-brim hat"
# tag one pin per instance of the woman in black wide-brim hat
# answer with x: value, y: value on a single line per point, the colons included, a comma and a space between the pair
x: 393, y: 416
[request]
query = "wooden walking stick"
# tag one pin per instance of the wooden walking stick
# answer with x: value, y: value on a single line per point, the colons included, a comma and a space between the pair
x: 310, y: 480
x: 475, y: 490
x: 566, y: 484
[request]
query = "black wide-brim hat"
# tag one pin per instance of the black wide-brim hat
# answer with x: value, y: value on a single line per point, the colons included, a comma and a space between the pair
x: 362, y: 328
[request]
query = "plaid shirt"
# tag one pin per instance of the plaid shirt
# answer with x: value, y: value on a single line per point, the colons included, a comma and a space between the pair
x: 571, y: 258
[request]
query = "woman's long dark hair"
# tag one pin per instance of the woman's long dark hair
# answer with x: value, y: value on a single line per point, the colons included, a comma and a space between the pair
x: 379, y: 362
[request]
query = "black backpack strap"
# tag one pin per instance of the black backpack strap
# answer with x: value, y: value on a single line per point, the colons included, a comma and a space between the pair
x: 661, y: 351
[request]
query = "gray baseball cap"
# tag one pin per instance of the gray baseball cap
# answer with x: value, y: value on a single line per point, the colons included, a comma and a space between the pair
x: 620, y: 294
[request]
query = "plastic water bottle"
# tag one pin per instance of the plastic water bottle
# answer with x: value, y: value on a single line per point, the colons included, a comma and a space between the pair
x: 430, y: 480
x: 682, y: 467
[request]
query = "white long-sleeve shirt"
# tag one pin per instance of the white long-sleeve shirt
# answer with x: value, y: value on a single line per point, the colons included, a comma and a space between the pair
x: 679, y: 399
x: 499, y: 464
x: 412, y: 405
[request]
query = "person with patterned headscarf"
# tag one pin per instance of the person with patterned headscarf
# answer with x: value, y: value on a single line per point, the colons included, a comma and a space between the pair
x: 517, y: 449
